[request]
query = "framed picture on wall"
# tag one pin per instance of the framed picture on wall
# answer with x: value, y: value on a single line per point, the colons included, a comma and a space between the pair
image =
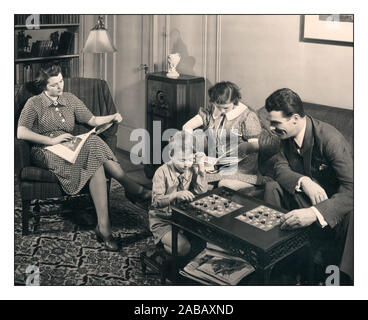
x: 335, y: 29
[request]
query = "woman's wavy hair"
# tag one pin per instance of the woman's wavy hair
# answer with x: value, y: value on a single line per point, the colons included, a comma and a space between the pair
x: 44, y: 74
x: 224, y: 92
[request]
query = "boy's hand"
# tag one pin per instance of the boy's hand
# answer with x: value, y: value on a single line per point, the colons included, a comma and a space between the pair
x: 185, y: 195
x: 199, y: 163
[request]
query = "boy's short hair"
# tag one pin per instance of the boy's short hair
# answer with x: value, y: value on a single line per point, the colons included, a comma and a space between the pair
x: 182, y: 142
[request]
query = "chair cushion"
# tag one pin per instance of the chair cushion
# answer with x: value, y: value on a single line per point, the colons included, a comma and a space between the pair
x: 37, y: 174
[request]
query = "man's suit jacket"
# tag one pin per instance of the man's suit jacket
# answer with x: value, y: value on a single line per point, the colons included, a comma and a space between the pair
x: 326, y: 158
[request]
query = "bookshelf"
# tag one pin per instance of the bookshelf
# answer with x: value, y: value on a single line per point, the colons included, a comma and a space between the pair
x: 55, y: 40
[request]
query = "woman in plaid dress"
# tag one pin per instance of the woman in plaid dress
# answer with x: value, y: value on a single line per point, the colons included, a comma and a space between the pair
x: 226, y: 119
x: 48, y: 119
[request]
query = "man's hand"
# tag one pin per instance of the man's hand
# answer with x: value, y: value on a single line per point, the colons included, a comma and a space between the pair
x: 313, y: 190
x: 117, y: 117
x: 298, y: 219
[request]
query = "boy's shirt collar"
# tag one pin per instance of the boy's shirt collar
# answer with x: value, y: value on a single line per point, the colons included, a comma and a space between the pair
x: 175, y: 174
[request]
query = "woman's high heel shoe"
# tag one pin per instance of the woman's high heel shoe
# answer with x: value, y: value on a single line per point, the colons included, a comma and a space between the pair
x: 145, y: 195
x: 109, y: 242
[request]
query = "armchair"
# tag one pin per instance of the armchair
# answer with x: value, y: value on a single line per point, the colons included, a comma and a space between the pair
x: 37, y: 183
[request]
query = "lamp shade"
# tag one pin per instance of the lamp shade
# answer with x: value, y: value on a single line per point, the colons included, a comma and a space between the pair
x: 99, y: 41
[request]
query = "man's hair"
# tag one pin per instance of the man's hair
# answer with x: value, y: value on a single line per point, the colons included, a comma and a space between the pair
x: 224, y: 92
x: 285, y: 100
x: 45, y: 73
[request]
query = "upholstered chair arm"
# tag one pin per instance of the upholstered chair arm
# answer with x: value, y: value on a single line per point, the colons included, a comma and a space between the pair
x: 111, y: 141
x: 22, y: 155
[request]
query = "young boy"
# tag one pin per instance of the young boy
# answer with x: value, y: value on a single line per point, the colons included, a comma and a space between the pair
x: 171, y: 183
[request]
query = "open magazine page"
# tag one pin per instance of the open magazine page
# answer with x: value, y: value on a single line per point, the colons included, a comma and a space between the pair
x: 227, y: 159
x: 192, y: 269
x: 227, y: 269
x: 101, y: 128
x: 219, y: 267
x: 69, y: 150
x: 198, y: 279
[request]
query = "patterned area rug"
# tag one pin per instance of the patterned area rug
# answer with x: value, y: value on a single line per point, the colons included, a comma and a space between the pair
x: 65, y: 250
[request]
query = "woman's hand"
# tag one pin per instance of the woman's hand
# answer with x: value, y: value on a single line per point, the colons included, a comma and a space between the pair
x: 62, y: 138
x: 117, y: 117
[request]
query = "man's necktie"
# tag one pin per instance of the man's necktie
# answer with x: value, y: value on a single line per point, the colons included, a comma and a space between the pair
x: 297, y: 149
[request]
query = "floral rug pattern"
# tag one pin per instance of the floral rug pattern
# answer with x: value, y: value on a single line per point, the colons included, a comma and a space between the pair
x: 65, y: 250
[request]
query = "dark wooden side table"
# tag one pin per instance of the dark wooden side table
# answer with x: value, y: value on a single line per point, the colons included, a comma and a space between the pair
x: 263, y: 249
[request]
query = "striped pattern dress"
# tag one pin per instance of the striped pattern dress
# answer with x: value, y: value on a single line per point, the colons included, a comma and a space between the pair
x: 43, y: 116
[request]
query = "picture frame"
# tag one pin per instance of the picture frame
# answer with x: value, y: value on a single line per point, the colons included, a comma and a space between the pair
x: 333, y: 29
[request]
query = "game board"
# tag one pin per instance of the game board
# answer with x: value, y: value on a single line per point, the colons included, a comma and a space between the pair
x: 261, y: 217
x: 215, y: 205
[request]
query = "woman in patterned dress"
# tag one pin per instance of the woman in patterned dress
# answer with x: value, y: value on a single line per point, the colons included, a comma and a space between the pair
x: 48, y: 119
x: 227, y: 120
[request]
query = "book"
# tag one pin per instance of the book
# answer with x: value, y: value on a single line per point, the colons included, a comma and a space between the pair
x: 65, y: 43
x: 200, y: 280
x: 191, y: 269
x: 69, y: 150
x: 218, y: 266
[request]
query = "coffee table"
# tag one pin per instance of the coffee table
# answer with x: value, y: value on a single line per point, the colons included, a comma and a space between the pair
x: 263, y: 249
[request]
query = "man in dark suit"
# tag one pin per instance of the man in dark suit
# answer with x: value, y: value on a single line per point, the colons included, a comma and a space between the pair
x: 313, y: 176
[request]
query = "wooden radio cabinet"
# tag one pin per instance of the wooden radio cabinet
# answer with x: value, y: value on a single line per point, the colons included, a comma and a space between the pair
x: 170, y: 102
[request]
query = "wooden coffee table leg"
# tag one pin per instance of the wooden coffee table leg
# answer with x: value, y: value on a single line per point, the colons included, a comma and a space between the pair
x: 265, y: 275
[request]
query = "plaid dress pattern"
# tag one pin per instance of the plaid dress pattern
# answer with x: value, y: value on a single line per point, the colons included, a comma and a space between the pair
x: 43, y: 116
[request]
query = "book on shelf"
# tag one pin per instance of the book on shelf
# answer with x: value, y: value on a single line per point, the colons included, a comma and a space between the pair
x: 69, y: 150
x: 27, y: 70
x: 20, y: 19
x: 66, y: 42
x: 216, y: 266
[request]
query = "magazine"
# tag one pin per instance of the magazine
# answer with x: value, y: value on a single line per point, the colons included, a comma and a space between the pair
x: 202, y: 280
x: 218, y: 267
x: 224, y: 160
x: 192, y: 269
x: 69, y: 150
